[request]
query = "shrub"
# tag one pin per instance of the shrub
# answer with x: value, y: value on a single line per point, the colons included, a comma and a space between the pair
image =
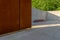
x: 46, y: 5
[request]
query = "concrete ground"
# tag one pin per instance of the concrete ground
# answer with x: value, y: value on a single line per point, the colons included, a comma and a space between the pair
x: 48, y: 30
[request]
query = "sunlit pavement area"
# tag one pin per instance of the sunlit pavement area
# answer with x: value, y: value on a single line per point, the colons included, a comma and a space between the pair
x: 48, y: 30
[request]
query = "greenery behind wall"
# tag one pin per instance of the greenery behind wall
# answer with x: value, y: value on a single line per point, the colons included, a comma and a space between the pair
x: 47, y: 5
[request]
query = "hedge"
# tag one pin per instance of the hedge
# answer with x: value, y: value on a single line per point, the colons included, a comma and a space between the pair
x: 47, y: 5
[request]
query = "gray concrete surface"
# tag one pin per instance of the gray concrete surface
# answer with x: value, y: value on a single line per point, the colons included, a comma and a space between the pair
x: 49, y: 30
x: 45, y: 15
x: 38, y: 14
x: 53, y: 15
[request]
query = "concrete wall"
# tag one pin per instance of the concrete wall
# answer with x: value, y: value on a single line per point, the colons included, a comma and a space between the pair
x: 38, y: 14
x: 53, y: 15
x: 45, y: 15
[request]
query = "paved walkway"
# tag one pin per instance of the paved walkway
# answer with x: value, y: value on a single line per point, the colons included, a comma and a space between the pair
x: 49, y: 30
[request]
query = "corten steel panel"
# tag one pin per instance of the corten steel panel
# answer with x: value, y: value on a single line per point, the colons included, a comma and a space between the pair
x: 9, y: 16
x: 25, y: 14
